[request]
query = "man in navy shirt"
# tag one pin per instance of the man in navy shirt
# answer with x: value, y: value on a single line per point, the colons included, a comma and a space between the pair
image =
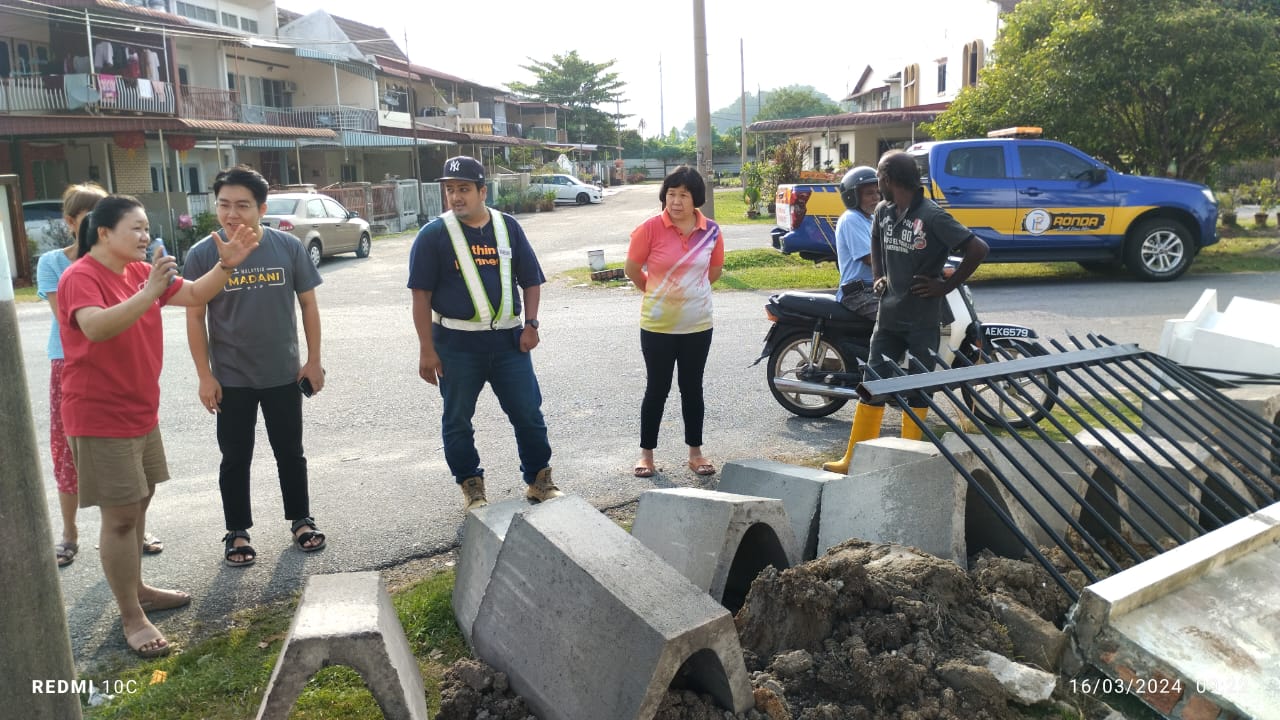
x: 911, y: 239
x: 472, y: 271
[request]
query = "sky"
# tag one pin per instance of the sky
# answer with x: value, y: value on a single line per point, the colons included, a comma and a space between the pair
x: 816, y: 42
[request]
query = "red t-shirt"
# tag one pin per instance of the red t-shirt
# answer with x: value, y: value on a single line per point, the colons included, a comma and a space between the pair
x: 110, y: 388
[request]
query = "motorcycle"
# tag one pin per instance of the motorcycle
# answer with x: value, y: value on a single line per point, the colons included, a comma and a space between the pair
x: 816, y: 348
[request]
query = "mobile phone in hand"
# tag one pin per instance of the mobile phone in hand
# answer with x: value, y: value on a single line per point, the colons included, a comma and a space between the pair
x: 305, y: 386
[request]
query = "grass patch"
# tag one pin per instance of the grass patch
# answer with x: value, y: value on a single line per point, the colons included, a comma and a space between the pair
x: 768, y: 269
x: 755, y: 269
x: 25, y: 294
x: 225, y: 677
x: 731, y: 209
x: 1085, y: 412
x: 1243, y: 252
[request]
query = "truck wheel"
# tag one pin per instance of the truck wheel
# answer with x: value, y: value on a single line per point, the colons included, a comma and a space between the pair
x: 1158, y: 250
x: 1023, y: 393
x: 789, y: 357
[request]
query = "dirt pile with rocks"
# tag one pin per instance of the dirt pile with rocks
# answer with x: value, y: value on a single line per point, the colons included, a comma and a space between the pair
x: 866, y: 632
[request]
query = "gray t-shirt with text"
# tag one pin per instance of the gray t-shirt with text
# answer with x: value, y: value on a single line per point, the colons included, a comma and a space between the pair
x: 253, y: 327
x: 918, y: 243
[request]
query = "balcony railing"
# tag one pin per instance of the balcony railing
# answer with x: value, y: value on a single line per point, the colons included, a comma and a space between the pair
x: 204, y: 104
x: 508, y: 129
x: 332, y: 117
x: 111, y: 93
x: 545, y: 134
x: 94, y: 93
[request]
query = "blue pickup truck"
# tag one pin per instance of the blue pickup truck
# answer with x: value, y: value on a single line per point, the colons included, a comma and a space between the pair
x: 1033, y: 200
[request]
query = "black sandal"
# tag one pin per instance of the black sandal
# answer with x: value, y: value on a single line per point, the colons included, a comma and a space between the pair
x: 308, y: 536
x: 229, y: 540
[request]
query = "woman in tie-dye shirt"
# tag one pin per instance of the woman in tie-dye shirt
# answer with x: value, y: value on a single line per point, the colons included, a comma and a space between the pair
x: 673, y: 258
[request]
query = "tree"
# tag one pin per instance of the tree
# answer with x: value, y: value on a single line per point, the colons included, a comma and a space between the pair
x: 796, y: 101
x: 1160, y: 87
x: 581, y: 85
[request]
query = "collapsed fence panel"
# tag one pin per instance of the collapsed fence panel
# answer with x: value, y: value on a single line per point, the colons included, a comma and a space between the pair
x: 1109, y: 453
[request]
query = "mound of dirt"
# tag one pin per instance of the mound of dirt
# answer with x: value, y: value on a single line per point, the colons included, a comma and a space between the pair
x: 875, y: 631
x: 866, y: 632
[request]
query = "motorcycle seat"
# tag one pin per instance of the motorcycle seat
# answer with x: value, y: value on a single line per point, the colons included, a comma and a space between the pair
x: 819, y: 305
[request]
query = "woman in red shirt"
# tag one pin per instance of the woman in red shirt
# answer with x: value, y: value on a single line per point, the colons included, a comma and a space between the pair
x: 109, y: 304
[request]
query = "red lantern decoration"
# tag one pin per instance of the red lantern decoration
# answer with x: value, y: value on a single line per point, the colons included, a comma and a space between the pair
x: 131, y: 140
x: 181, y: 143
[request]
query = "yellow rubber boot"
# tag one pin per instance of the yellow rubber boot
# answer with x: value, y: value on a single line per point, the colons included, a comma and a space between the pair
x: 911, y: 431
x: 866, y: 426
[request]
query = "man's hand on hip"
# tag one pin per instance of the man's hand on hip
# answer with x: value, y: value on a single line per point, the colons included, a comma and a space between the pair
x: 925, y: 286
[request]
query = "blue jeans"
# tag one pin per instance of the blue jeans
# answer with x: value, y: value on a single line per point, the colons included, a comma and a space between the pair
x: 510, y: 374
x: 921, y: 342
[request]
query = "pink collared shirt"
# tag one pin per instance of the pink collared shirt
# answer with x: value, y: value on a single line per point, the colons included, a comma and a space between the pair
x: 677, y: 297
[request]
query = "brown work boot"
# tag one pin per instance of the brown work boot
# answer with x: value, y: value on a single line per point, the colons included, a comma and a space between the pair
x: 542, y: 488
x: 473, y: 493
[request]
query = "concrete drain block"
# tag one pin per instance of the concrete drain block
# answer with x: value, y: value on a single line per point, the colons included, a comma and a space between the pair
x: 347, y: 619
x: 799, y: 489
x: 720, y: 541
x: 588, y: 623
x: 483, y: 532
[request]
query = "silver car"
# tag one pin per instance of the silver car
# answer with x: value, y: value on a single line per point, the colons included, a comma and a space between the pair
x: 323, y: 225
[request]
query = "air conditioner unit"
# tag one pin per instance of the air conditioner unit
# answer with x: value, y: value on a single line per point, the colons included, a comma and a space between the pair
x: 290, y: 86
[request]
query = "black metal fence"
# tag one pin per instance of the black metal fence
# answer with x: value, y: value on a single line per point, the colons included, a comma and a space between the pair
x: 1141, y: 455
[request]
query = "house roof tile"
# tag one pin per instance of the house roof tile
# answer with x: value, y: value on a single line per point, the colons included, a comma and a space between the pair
x: 75, y: 125
x: 918, y: 113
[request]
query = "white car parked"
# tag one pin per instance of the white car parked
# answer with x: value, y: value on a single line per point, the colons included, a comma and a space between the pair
x: 43, y: 222
x: 568, y: 188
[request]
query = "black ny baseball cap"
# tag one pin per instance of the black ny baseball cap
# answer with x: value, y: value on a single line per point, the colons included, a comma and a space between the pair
x: 462, y: 167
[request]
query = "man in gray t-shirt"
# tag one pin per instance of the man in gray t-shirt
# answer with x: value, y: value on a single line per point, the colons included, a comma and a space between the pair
x: 245, y: 348
x: 911, y: 238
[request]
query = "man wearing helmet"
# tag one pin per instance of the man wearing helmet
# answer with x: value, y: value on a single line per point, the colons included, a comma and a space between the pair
x: 465, y: 268
x: 860, y: 191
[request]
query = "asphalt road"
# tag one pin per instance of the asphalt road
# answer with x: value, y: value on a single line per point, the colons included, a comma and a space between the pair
x: 379, y: 485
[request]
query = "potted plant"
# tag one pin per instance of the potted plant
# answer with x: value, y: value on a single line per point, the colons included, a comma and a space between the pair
x: 1265, y: 191
x: 1227, y: 207
x: 752, y: 186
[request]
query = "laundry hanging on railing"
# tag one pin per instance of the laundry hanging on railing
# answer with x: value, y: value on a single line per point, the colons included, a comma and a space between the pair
x: 107, y: 86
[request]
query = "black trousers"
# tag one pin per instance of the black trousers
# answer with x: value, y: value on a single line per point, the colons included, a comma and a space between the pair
x: 663, y: 354
x: 237, y: 422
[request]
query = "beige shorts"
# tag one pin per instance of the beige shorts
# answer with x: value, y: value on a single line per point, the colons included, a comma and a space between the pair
x: 118, y: 471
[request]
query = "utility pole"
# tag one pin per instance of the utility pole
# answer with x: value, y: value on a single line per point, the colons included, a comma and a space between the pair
x: 662, y: 118
x: 34, y: 641
x: 703, y: 102
x: 413, y: 118
x: 742, y: 142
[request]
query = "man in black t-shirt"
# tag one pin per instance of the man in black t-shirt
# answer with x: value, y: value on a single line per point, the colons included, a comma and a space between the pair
x: 911, y: 238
